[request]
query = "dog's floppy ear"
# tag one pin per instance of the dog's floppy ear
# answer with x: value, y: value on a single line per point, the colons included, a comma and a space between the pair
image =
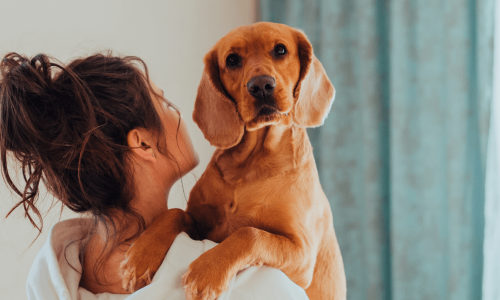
x: 214, y: 112
x: 314, y: 92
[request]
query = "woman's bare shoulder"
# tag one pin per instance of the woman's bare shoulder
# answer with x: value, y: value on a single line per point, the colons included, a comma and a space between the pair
x: 107, y: 271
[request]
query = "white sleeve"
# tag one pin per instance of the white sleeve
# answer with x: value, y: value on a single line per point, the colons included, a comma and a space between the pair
x: 263, y: 283
x: 253, y: 283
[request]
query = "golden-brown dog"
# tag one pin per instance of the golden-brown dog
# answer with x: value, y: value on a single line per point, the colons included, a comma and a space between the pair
x: 260, y: 196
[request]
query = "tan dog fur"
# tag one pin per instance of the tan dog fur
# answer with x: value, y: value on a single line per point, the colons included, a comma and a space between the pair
x: 260, y: 196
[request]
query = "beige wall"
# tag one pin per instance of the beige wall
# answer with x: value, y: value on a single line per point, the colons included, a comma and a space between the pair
x: 171, y: 36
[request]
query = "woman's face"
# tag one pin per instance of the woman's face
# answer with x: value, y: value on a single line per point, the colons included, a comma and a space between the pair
x: 183, y: 158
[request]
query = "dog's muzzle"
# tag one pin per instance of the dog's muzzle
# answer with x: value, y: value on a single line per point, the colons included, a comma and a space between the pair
x: 262, y: 90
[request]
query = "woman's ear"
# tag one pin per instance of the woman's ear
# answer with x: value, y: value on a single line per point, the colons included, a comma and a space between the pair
x: 314, y: 92
x: 140, y: 142
x: 214, y: 112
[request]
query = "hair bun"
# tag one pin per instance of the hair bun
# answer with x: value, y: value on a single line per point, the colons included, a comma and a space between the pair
x: 29, y: 77
x: 25, y: 93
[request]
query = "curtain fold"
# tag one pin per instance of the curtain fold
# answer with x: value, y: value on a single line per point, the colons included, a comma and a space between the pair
x: 491, y: 277
x: 402, y: 156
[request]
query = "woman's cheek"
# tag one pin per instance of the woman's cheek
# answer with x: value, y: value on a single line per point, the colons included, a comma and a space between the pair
x: 188, y: 146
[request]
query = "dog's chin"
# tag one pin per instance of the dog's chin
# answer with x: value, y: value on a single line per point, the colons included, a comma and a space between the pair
x: 267, y: 120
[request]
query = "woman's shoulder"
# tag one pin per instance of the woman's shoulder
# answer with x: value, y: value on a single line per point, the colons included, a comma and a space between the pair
x: 101, y: 268
x: 56, y: 270
x: 266, y: 283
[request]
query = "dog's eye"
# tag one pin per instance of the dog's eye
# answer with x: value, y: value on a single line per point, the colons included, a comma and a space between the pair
x: 280, y: 50
x: 232, y: 60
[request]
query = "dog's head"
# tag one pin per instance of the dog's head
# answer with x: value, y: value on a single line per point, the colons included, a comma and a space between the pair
x: 259, y: 75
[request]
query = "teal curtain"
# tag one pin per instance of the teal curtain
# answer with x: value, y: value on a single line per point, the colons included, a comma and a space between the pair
x: 402, y: 155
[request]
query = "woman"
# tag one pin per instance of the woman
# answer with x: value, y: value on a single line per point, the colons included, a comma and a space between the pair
x: 104, y: 141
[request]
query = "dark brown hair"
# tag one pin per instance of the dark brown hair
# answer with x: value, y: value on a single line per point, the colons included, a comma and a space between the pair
x: 67, y: 127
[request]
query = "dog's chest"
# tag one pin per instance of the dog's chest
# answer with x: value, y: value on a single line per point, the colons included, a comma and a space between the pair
x: 256, y: 204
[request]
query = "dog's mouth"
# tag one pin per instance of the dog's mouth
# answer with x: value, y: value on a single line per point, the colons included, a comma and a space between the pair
x: 267, y: 115
x: 267, y: 110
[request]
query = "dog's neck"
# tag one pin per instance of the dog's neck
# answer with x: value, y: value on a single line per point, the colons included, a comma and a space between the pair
x: 276, y: 148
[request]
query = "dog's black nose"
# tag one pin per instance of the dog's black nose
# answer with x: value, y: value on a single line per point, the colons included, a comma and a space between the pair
x: 261, y: 86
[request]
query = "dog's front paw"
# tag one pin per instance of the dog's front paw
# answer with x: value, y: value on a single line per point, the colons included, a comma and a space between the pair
x: 146, y: 254
x: 141, y: 262
x: 207, y: 277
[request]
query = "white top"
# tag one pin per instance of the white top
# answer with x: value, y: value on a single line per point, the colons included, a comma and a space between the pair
x: 51, y: 277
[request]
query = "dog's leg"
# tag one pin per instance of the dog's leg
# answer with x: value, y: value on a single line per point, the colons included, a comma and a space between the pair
x: 209, y: 275
x: 146, y: 254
